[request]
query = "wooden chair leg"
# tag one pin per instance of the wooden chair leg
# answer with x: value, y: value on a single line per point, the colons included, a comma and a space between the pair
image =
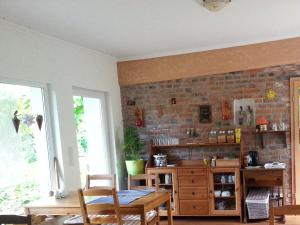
x: 272, y: 219
x: 158, y: 218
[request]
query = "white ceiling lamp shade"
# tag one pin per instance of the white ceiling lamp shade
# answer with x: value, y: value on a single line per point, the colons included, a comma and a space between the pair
x: 214, y: 5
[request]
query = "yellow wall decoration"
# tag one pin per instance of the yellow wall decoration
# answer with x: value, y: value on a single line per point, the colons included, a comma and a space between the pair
x: 271, y: 94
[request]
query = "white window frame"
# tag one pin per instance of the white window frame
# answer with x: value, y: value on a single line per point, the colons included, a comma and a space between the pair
x: 48, y: 124
x: 77, y: 91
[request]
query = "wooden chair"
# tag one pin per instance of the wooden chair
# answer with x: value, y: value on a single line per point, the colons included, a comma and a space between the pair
x: 102, y: 213
x: 282, y: 211
x: 77, y: 220
x: 15, y: 219
x: 148, y: 179
x: 102, y: 177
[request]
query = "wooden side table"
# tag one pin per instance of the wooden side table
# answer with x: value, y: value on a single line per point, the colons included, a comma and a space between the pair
x: 261, y: 177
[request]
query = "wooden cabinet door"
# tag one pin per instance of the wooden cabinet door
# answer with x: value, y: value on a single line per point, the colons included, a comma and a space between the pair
x: 171, y: 187
x: 224, y: 191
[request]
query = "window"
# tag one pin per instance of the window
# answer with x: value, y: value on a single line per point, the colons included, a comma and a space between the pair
x: 24, y: 167
x: 92, y: 133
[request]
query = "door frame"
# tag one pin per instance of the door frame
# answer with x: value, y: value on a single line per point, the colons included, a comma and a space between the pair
x: 106, y: 118
x: 295, y: 142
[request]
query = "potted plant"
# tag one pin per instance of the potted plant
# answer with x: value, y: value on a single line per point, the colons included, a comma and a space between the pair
x: 132, y: 147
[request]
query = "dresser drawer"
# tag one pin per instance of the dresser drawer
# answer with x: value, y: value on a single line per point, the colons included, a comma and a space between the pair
x: 192, y: 171
x: 192, y: 181
x: 264, y: 178
x: 193, y: 193
x: 193, y: 207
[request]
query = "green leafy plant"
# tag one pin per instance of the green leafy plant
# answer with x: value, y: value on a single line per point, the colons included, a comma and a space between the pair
x: 81, y: 132
x: 132, y: 144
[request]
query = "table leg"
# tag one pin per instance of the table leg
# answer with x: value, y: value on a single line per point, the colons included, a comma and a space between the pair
x: 169, y: 211
x: 143, y: 218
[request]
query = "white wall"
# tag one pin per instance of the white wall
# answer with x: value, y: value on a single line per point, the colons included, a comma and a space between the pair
x: 30, y: 56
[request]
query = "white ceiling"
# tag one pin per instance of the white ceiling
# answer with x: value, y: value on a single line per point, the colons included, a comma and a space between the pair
x: 130, y: 29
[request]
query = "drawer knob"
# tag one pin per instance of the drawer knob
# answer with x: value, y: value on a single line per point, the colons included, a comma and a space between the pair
x: 193, y: 193
x: 192, y: 172
x: 194, y: 207
x: 192, y: 181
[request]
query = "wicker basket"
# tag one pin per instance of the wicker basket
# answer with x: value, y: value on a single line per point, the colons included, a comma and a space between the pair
x: 258, y: 203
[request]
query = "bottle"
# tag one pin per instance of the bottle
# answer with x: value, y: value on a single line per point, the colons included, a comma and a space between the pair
x: 213, y: 161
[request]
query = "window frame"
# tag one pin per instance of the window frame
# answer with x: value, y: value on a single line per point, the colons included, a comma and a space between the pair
x: 47, y: 120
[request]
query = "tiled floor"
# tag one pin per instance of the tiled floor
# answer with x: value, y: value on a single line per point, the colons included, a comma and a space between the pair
x: 292, y: 220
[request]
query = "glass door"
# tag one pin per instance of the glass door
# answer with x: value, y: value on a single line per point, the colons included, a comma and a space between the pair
x: 92, y: 129
x: 225, y: 191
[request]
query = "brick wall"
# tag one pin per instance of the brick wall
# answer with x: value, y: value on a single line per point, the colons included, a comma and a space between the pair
x: 155, y: 98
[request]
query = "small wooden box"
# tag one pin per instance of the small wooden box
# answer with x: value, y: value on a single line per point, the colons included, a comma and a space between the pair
x: 227, y: 162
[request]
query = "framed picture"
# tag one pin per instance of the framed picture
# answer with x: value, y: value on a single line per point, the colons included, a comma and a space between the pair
x: 205, y: 113
x: 244, y: 112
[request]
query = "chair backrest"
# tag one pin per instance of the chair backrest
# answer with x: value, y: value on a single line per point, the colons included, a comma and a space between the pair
x: 149, y: 180
x: 15, y: 219
x: 282, y: 211
x: 100, y: 177
x: 110, y: 212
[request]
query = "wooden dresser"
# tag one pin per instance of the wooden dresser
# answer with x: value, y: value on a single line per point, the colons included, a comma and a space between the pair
x: 194, y: 187
x: 193, y: 191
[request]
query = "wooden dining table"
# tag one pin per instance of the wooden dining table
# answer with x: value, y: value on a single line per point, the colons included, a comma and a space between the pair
x: 70, y: 206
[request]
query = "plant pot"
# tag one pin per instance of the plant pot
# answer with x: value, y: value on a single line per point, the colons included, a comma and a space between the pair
x: 135, y: 167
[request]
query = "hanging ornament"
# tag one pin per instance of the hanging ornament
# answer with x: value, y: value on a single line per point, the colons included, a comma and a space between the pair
x: 16, y: 121
x: 139, y: 121
x: 39, y: 120
x: 226, y: 111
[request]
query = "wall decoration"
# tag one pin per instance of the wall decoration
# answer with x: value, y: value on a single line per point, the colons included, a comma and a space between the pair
x: 139, y: 120
x: 130, y: 102
x: 173, y: 101
x: 226, y: 110
x: 271, y: 94
x: 205, y: 113
x: 244, y: 112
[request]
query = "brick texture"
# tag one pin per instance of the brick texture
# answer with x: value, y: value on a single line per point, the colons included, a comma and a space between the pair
x: 164, y: 119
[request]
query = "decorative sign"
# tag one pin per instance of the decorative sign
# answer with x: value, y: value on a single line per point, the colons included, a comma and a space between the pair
x: 205, y: 114
x: 271, y: 94
x: 244, y: 112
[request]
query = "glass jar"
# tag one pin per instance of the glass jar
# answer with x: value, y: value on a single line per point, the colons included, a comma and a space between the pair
x: 230, y: 136
x: 212, y: 136
x: 222, y: 136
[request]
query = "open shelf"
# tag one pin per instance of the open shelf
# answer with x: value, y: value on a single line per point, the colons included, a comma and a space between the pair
x: 196, y: 145
x: 263, y: 133
x: 223, y: 197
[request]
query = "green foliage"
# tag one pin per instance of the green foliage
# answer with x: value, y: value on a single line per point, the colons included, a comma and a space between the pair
x: 12, y: 199
x: 80, y: 131
x: 132, y: 144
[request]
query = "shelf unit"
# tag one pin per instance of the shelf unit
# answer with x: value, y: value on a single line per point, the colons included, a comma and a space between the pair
x: 190, y: 147
x: 170, y: 187
x: 262, y: 134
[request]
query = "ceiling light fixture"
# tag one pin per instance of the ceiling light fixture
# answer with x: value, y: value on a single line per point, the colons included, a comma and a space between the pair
x: 214, y: 5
